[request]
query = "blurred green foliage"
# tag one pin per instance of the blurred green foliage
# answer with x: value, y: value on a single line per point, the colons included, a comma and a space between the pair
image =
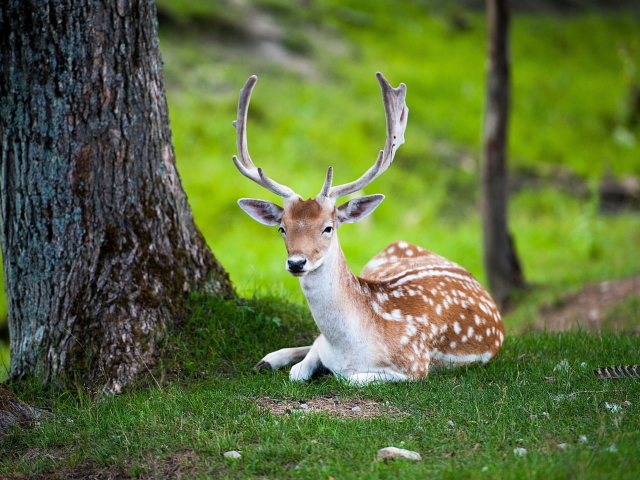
x: 570, y: 85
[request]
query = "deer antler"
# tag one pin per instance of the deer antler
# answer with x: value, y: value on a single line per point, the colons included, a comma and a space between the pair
x: 244, y: 163
x: 396, y: 112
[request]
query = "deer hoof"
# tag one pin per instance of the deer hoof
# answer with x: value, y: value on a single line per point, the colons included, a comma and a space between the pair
x: 262, y: 365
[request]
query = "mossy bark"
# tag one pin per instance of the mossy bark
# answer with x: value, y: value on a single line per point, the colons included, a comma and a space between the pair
x: 98, y: 240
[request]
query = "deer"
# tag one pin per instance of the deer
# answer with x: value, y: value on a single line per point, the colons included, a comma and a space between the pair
x: 408, y: 311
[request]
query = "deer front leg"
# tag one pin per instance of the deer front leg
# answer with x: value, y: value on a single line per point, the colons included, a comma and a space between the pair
x: 305, y: 369
x: 282, y: 357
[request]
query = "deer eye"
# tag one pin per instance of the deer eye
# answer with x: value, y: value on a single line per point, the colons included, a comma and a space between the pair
x: 328, y: 229
x: 281, y: 230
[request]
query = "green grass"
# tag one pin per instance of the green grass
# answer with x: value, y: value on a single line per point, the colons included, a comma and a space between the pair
x: 465, y: 423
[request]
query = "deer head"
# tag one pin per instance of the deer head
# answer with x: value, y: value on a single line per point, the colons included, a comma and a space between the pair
x: 309, y: 226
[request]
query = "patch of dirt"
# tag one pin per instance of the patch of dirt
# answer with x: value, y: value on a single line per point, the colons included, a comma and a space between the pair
x: 587, y: 307
x: 335, y: 407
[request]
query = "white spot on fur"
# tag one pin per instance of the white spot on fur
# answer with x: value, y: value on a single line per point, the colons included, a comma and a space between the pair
x: 453, y: 344
x: 456, y: 327
x: 382, y: 297
x: 376, y: 262
x: 376, y: 308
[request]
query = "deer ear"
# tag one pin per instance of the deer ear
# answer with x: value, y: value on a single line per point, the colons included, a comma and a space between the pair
x: 358, y: 208
x: 265, y: 212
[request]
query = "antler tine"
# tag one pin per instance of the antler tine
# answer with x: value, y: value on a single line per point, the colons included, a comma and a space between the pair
x: 326, y: 187
x: 244, y: 163
x: 396, y: 112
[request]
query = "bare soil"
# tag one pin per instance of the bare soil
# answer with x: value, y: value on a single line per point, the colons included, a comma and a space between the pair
x: 335, y: 407
x: 588, y: 307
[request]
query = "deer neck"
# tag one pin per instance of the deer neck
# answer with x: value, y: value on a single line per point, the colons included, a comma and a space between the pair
x: 333, y: 293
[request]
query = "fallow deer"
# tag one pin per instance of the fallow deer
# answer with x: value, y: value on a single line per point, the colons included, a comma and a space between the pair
x: 410, y: 309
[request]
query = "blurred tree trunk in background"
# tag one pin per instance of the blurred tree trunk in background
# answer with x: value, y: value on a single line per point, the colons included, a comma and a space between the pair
x: 98, y: 240
x: 504, y: 272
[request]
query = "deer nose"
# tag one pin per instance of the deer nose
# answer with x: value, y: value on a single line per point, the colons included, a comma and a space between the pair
x: 295, y: 265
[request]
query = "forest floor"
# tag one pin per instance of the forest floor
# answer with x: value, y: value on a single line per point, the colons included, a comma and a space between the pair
x: 588, y: 307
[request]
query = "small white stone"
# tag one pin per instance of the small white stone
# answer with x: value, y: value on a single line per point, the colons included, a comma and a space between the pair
x: 356, y: 409
x: 521, y: 452
x: 562, y: 446
x: 582, y: 439
x: 304, y: 406
x: 233, y: 454
x: 612, y: 448
x: 394, y: 453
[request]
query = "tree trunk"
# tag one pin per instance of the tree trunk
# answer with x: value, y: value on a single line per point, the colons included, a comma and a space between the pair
x: 500, y: 258
x: 98, y: 240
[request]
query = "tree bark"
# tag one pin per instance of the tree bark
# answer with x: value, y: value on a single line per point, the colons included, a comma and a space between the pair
x: 502, y: 265
x: 98, y: 241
